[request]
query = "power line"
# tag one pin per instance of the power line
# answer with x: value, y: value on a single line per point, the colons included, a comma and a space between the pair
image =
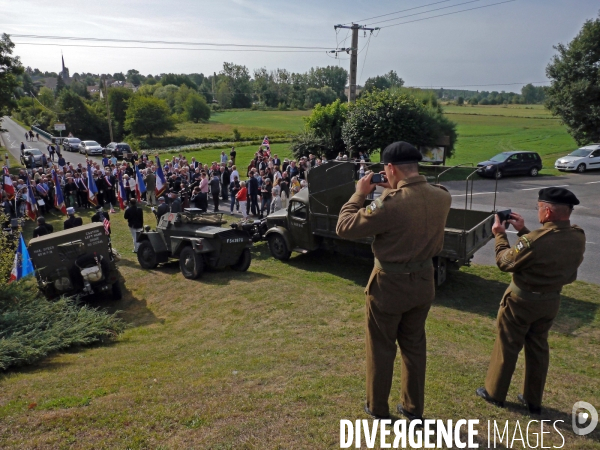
x: 174, y: 48
x: 448, y: 14
x: 425, y: 12
x: 137, y: 41
x: 362, y: 69
x: 398, y: 12
x: 479, y: 85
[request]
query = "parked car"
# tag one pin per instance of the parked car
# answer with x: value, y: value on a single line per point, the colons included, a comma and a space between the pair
x: 31, y: 158
x: 90, y: 148
x: 582, y: 159
x: 119, y: 149
x: 511, y: 163
x: 71, y: 144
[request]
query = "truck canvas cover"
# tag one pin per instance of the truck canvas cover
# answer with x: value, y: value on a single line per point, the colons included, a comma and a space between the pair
x: 330, y: 186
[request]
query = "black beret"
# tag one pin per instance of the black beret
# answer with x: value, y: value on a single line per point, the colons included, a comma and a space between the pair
x: 557, y: 195
x: 401, y: 153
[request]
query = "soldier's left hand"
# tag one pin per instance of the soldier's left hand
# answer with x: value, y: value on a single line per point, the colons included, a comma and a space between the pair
x: 364, y: 186
x: 498, y: 227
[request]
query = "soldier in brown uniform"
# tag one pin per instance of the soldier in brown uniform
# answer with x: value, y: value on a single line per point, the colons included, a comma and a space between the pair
x: 407, y: 221
x: 542, y: 262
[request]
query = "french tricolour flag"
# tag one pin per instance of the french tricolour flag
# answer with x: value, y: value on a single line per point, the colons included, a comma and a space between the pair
x: 161, y: 181
x: 7, y: 184
x: 59, y: 199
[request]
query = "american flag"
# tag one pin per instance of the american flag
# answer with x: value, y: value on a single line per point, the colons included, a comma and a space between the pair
x: 106, y: 224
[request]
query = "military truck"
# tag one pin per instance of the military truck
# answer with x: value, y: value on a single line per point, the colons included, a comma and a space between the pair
x: 198, y: 240
x: 309, y: 222
x: 78, y: 261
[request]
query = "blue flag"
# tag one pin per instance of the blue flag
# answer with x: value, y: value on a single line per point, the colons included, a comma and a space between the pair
x: 140, y: 180
x: 22, y: 266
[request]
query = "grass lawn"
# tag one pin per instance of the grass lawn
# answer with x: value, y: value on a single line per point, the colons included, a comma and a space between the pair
x: 484, y: 131
x: 274, y: 358
x: 252, y: 125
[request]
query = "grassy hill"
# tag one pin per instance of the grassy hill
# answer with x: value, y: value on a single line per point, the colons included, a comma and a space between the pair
x: 274, y: 358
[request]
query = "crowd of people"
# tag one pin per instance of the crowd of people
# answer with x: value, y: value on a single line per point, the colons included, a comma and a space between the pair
x: 265, y: 187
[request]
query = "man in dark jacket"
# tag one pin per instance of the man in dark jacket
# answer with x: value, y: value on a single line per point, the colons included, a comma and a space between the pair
x: 176, y: 206
x: 253, y: 193
x: 225, y: 180
x: 43, y: 228
x: 135, y: 221
x: 162, y: 209
x: 215, y: 190
x: 72, y: 221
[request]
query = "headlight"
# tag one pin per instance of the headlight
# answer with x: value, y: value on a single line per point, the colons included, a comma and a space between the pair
x: 489, y: 167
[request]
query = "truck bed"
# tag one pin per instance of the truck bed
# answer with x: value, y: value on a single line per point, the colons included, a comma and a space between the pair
x: 466, y: 232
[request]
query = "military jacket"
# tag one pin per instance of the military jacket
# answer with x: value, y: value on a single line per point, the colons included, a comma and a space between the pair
x: 543, y: 260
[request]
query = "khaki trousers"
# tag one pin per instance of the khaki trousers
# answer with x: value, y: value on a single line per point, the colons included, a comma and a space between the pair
x: 396, y: 309
x: 522, y: 323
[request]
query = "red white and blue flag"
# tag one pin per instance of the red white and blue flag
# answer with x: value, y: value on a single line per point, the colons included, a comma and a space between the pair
x: 161, y: 181
x: 31, y: 203
x: 121, y: 192
x: 266, y: 141
x: 22, y: 265
x: 59, y: 199
x: 7, y: 184
x: 140, y: 186
x: 92, y: 188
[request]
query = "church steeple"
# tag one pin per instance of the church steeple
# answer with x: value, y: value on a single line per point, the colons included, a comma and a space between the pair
x: 65, y: 70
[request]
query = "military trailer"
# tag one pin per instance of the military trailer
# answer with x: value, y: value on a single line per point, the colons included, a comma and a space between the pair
x: 309, y: 223
x: 78, y: 261
x: 197, y: 240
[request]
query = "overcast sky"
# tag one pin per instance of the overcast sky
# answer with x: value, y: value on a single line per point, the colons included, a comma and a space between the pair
x: 508, y: 43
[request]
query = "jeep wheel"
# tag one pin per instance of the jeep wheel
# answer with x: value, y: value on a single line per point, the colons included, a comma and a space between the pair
x: 117, y: 294
x: 190, y: 263
x: 244, y: 262
x: 279, y: 248
x: 146, y: 255
x: 533, y: 172
x: 498, y: 174
x: 581, y: 168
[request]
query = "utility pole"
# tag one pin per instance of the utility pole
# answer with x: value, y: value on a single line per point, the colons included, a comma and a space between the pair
x: 107, y: 109
x: 354, y: 57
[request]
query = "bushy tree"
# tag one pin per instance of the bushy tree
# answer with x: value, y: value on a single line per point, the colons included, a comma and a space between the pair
x: 381, y: 117
x: 148, y: 116
x: 46, y: 97
x: 307, y: 142
x: 118, y: 102
x: 10, y: 69
x: 326, y: 122
x: 574, y: 93
x: 196, y: 108
x: 178, y: 80
x: 235, y: 84
x: 382, y: 82
x: 323, y: 96
x: 168, y: 93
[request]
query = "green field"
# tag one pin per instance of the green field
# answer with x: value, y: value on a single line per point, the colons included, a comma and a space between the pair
x: 251, y: 125
x: 274, y: 358
x: 483, y: 131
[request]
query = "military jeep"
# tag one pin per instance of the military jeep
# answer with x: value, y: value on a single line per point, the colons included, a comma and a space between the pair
x: 197, y: 240
x: 78, y: 261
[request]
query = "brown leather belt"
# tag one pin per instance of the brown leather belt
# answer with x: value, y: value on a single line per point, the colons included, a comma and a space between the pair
x: 533, y: 296
x: 410, y: 267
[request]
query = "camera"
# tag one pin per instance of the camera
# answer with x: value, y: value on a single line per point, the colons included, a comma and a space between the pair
x: 504, y: 216
x: 378, y: 178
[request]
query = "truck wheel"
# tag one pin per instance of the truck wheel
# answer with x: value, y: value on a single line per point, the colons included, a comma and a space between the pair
x: 581, y: 168
x: 244, y: 262
x: 279, y: 248
x: 117, y: 294
x: 146, y: 255
x: 191, y: 263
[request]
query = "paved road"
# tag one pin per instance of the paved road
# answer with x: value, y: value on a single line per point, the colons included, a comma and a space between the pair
x: 15, y: 134
x: 520, y: 195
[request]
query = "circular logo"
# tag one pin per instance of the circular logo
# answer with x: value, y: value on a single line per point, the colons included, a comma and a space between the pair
x: 579, y: 418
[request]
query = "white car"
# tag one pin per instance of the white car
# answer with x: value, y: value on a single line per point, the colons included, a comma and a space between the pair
x: 90, y: 148
x: 582, y: 159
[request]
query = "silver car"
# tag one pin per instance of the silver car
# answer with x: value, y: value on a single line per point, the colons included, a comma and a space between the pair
x: 582, y: 159
x: 71, y: 144
x: 90, y: 148
x: 31, y: 158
